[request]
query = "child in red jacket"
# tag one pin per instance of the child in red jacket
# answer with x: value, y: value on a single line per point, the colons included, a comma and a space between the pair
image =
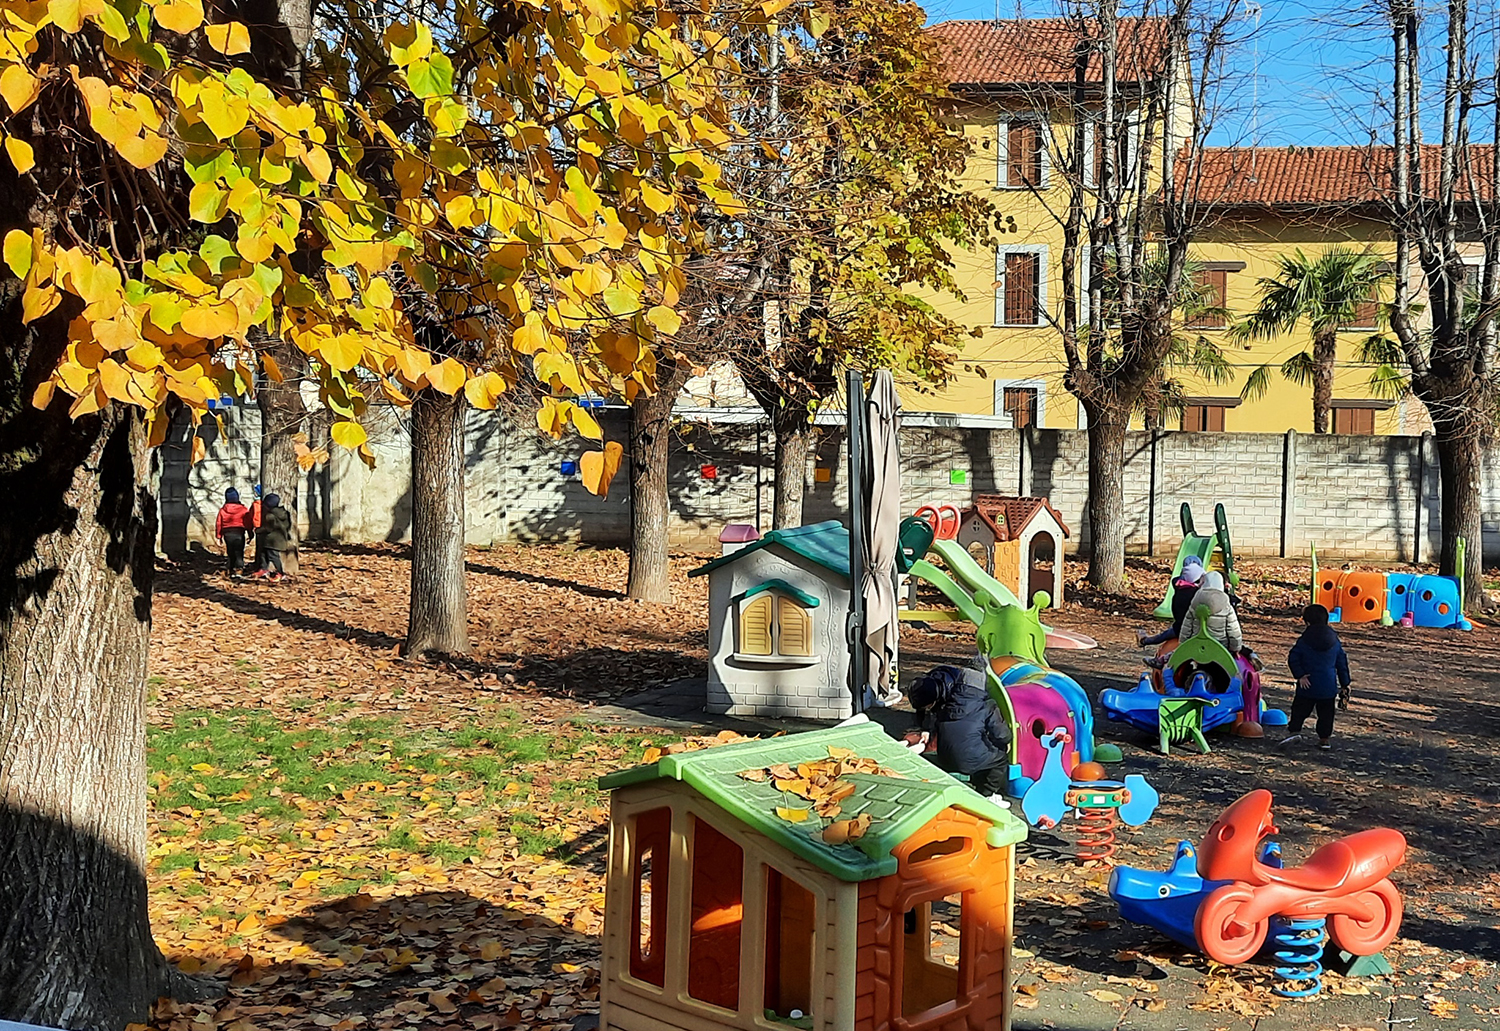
x: 230, y: 528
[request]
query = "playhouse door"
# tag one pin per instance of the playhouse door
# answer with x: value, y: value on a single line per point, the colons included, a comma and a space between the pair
x: 1040, y: 566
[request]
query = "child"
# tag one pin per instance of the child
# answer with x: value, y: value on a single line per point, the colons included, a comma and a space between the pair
x: 276, y: 535
x: 1184, y: 589
x: 230, y: 529
x: 1318, y: 662
x: 972, y: 738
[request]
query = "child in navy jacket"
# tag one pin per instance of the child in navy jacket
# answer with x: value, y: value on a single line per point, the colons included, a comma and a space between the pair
x: 1318, y: 662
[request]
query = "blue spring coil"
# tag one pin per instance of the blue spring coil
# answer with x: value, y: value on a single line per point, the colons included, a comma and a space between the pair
x: 1297, y: 946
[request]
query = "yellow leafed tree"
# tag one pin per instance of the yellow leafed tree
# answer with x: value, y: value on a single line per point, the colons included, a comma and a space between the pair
x: 393, y: 206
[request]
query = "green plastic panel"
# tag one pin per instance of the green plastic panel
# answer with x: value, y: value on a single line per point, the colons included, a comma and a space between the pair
x: 825, y: 543
x: 899, y: 805
x: 785, y: 588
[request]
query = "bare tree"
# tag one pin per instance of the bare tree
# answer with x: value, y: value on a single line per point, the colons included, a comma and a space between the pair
x: 1440, y: 195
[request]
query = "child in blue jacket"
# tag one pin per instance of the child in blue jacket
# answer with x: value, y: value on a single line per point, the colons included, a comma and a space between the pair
x: 972, y: 737
x: 1318, y: 662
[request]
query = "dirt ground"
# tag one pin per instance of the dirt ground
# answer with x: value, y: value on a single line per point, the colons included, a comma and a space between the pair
x: 554, y: 637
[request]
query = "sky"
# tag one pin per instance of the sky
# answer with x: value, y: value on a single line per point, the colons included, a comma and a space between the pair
x: 1309, y: 74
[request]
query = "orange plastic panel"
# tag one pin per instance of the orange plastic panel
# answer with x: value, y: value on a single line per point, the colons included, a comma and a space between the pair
x: 718, y: 913
x: 789, y: 944
x: 1358, y: 594
x: 648, y: 952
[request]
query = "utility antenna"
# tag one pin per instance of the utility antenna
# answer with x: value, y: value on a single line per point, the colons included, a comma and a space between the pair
x: 1253, y: 10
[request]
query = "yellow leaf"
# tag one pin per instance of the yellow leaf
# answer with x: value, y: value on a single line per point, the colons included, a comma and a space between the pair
x: 552, y: 417
x: 348, y: 434
x: 142, y: 153
x: 586, y: 424
x: 1104, y: 995
x: 484, y: 391
x: 43, y: 395
x: 655, y: 199
x: 273, y: 370
x: 343, y: 351
x: 19, y: 87
x: 792, y: 815
x: 18, y: 252
x: 210, y: 321
x: 599, y: 468
x: 20, y: 153
x: 66, y: 14
x: 379, y: 294
x: 447, y: 376
x: 664, y: 319
x: 228, y: 38
x: 315, y: 159
x: 339, y: 286
x: 250, y: 923
x: 180, y: 16
x: 491, y: 950
x: 38, y: 301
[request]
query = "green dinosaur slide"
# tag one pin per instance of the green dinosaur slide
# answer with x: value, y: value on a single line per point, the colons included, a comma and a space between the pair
x: 1203, y: 548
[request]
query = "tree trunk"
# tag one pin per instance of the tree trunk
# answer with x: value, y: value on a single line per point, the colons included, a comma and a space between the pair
x: 792, y: 434
x: 1325, y: 353
x: 76, y: 563
x: 1460, y: 452
x: 281, y: 417
x: 1107, y: 426
x: 439, y: 613
x: 650, y: 450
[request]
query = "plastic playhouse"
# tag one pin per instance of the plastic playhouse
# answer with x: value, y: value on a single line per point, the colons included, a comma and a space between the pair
x: 1019, y: 537
x: 1230, y: 895
x: 1408, y: 599
x: 1213, y: 550
x: 730, y: 902
x: 1224, y: 689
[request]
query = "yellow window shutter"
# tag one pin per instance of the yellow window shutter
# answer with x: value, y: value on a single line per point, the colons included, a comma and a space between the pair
x: 795, y: 628
x: 755, y: 626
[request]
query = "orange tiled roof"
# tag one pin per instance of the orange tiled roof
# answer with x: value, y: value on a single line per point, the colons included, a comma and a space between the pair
x: 1041, y: 50
x: 1317, y: 176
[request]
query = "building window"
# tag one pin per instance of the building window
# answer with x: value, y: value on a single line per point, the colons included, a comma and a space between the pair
x: 1022, y: 154
x: 1020, y: 405
x: 1214, y: 286
x: 1020, y: 286
x: 1366, y: 313
x: 776, y: 620
x: 1125, y: 136
x: 790, y: 909
x: 1199, y: 418
x: 1349, y: 419
x: 718, y: 904
x: 1023, y: 400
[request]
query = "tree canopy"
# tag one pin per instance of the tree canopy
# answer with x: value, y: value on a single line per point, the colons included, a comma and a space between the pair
x: 527, y: 177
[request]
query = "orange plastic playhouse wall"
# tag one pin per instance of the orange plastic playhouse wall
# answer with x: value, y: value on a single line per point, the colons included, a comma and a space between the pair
x: 1008, y: 565
x: 887, y: 961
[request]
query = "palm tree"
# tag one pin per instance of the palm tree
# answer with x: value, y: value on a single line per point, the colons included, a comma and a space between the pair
x: 1329, y: 292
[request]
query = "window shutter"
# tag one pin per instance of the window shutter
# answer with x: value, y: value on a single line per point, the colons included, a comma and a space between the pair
x: 1020, y: 405
x: 1020, y: 289
x: 1215, y: 418
x: 1216, y: 281
x: 793, y: 627
x: 755, y: 626
x: 1024, y: 154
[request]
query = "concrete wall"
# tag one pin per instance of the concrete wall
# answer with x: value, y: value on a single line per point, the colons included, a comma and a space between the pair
x: 1366, y: 497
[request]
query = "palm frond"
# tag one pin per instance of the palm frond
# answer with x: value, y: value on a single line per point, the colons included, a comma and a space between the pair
x: 1389, y: 382
x: 1299, y: 368
x: 1256, y: 384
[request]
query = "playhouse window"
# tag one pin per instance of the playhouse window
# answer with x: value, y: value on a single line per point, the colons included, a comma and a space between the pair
x: 934, y: 959
x: 774, y: 624
x: 790, y: 910
x: 718, y: 905
x: 650, y: 847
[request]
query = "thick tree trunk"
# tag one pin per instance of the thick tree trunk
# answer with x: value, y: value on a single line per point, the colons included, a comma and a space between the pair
x: 650, y: 449
x: 1107, y: 427
x: 439, y: 614
x: 792, y: 435
x: 1460, y: 452
x: 281, y: 417
x: 1325, y: 354
x: 76, y: 563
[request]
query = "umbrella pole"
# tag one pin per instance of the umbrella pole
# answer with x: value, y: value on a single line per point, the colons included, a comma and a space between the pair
x: 858, y: 674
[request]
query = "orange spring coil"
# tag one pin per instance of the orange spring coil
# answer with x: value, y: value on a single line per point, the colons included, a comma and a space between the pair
x: 1096, y: 835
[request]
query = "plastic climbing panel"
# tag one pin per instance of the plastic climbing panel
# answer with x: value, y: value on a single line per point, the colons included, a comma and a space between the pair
x: 1354, y: 595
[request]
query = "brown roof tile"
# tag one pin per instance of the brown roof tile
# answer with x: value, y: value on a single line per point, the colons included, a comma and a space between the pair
x: 1009, y: 515
x: 1314, y: 177
x: 1041, y: 50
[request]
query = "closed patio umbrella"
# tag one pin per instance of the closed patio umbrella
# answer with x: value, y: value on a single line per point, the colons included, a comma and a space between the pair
x: 881, y: 495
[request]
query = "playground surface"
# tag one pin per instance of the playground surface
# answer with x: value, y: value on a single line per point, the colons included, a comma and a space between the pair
x: 354, y: 841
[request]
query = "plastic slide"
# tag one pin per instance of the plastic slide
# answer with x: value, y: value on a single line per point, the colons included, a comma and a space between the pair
x: 1203, y: 547
x: 972, y: 576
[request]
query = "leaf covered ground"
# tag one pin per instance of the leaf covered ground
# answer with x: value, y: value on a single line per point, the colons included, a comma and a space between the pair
x: 351, y: 840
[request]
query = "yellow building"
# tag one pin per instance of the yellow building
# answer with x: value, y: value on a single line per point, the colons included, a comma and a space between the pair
x: 1011, y: 79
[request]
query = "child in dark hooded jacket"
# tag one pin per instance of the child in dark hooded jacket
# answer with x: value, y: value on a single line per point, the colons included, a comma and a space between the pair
x: 972, y: 737
x: 1318, y: 662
